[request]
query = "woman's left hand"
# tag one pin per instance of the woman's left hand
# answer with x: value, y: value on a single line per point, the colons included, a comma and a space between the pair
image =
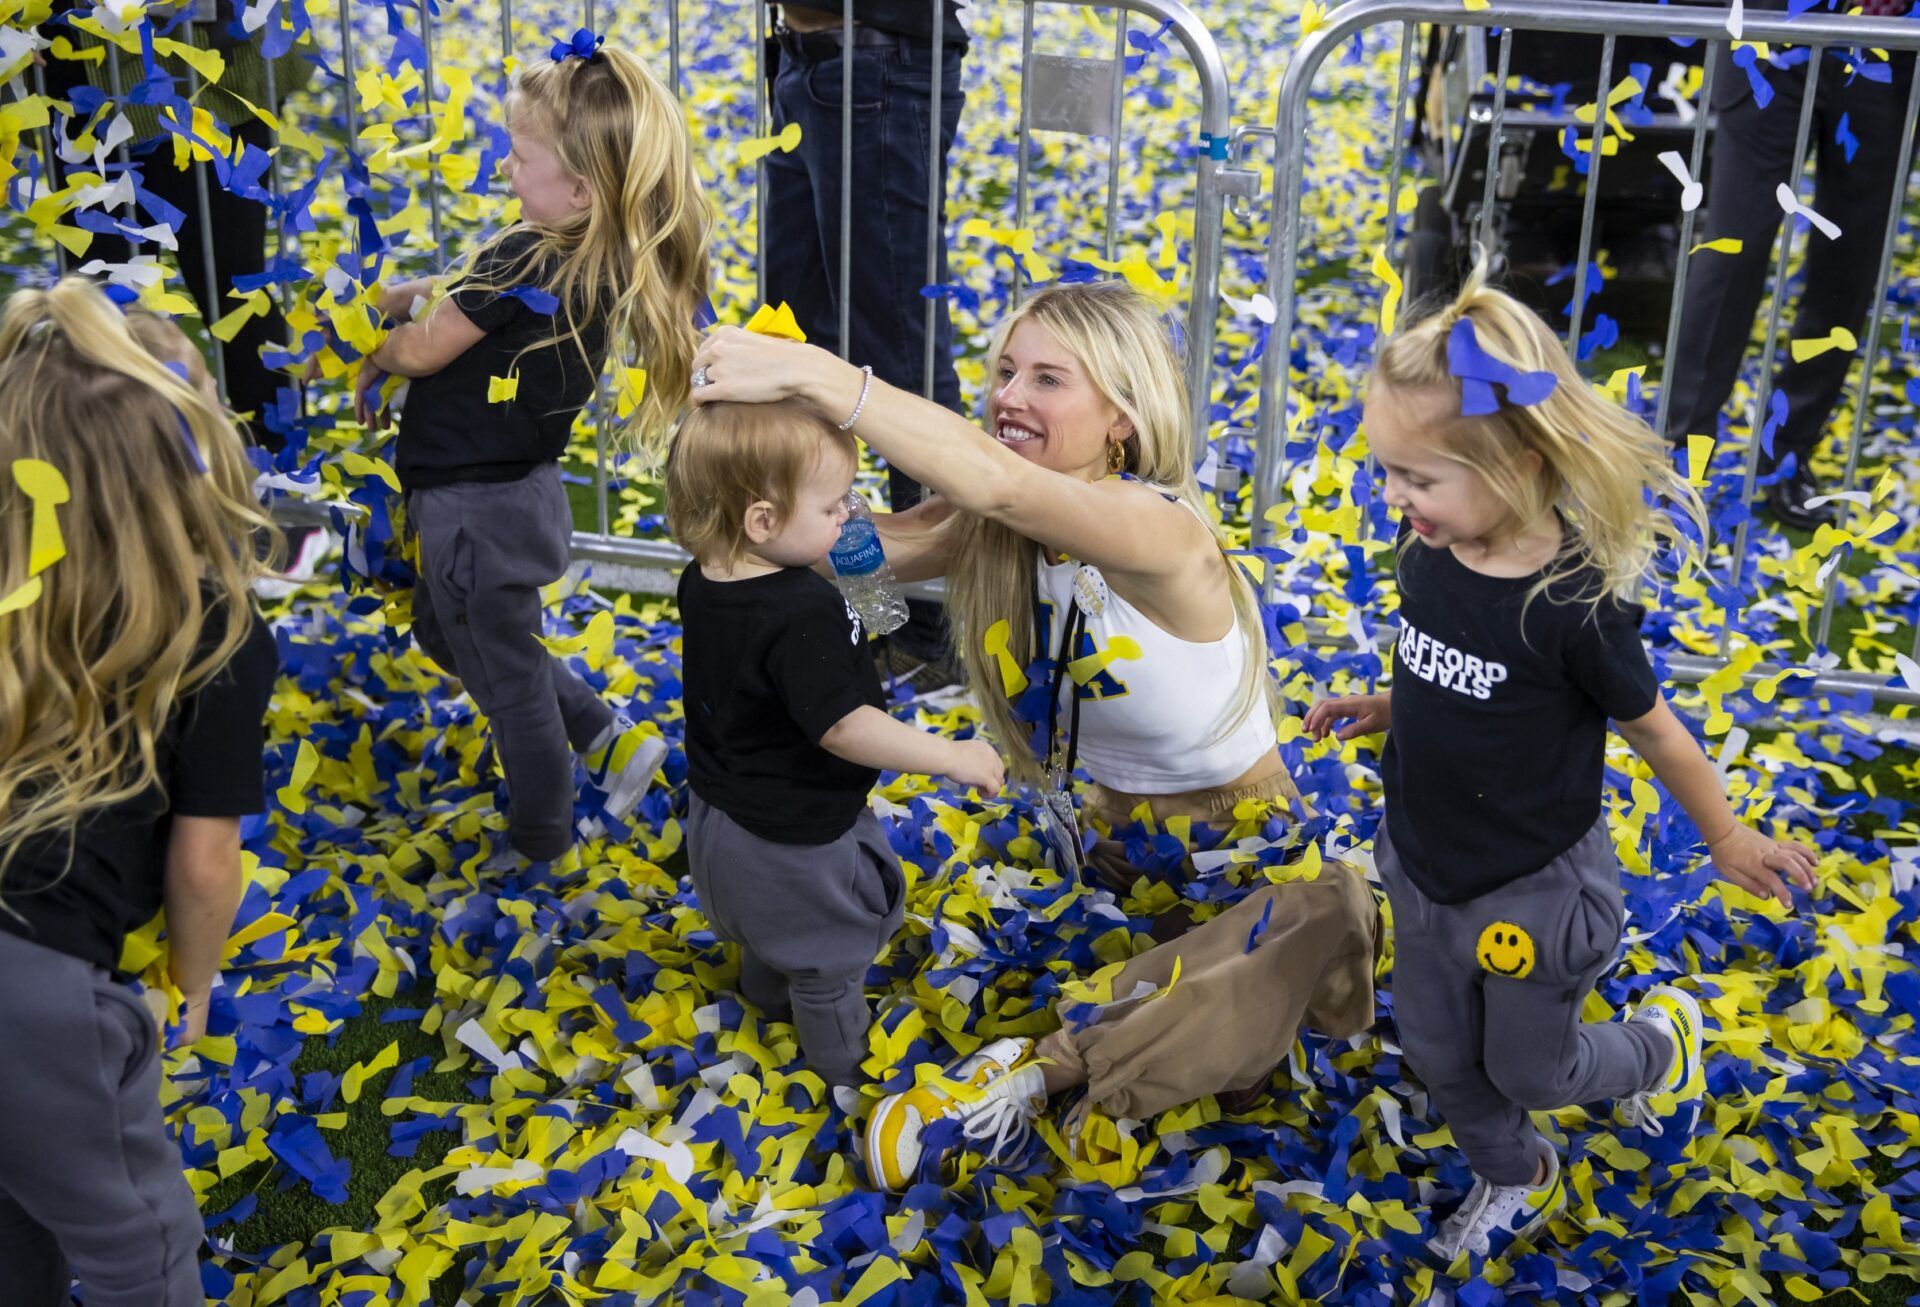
x: 745, y: 367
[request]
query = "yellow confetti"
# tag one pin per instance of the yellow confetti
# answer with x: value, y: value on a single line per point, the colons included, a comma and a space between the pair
x: 633, y: 388
x: 1725, y: 245
x: 785, y: 141
x: 996, y: 640
x: 503, y: 390
x: 1390, y: 302
x: 779, y: 322
x: 1699, y: 456
x: 1838, y: 338
x: 306, y: 762
x: 42, y: 483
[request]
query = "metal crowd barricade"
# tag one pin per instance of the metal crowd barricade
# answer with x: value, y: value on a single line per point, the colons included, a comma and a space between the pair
x: 1070, y: 101
x: 1814, y: 30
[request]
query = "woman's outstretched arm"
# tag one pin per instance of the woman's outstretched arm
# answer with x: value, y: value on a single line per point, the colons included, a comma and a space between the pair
x: 1117, y: 526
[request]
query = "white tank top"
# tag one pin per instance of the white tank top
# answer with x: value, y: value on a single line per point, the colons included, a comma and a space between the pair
x: 1152, y: 724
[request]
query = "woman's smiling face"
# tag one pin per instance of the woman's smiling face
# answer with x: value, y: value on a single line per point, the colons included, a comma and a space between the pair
x: 1044, y: 407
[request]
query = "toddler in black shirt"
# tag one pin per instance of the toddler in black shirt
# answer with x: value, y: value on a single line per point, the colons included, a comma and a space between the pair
x: 785, y: 730
x: 1528, y: 508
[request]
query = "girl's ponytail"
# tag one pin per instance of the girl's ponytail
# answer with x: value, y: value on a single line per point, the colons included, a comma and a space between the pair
x: 149, y: 595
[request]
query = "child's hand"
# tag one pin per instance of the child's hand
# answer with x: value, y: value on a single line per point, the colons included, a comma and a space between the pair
x: 1371, y: 713
x: 366, y: 397
x: 1755, y: 863
x: 193, y: 1019
x: 976, y: 764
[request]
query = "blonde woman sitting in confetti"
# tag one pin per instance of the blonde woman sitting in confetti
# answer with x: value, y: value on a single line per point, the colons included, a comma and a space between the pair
x: 1077, y: 553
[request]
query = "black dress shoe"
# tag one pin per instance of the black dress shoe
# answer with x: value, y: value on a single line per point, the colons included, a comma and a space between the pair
x: 1787, y: 501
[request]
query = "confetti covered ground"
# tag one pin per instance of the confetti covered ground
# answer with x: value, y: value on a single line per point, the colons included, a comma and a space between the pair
x: 428, y: 1085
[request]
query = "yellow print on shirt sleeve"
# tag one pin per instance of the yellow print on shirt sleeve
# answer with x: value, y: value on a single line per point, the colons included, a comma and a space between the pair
x: 1090, y: 664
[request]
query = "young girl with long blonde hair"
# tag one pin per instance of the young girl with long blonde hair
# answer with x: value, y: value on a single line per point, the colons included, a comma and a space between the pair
x: 131, y: 702
x: 609, y: 257
x: 1532, y: 521
x: 1102, y: 626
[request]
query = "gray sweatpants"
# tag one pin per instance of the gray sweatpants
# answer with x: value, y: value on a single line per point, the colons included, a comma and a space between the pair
x: 90, y: 1184
x: 808, y: 918
x: 1487, y: 997
x: 486, y: 549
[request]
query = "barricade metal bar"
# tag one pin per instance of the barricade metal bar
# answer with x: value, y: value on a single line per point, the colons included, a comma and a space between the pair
x: 1764, y: 395
x: 761, y: 110
x: 123, y: 151
x: 1209, y: 200
x: 1397, y: 152
x: 936, y: 193
x: 846, y: 178
x: 1684, y: 259
x: 426, y: 103
x: 1871, y: 353
x: 1595, y: 157
x: 673, y: 45
x: 51, y: 163
x: 346, y: 93
x: 1484, y: 225
x: 506, y: 35
x: 204, y: 199
x: 1593, y: 17
x: 1113, y: 141
x: 1025, y: 141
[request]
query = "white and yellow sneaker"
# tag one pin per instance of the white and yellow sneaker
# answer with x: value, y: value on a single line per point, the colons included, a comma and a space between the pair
x: 622, y: 765
x: 1678, y: 1014
x: 1509, y: 1212
x: 995, y: 1094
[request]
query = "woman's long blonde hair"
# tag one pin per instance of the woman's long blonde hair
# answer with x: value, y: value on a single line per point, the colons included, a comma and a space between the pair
x: 156, y: 550
x: 638, y: 253
x: 1602, y: 467
x: 1119, y: 341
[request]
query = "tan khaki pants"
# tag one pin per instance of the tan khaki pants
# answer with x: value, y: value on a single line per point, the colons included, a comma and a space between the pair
x: 1233, y: 1014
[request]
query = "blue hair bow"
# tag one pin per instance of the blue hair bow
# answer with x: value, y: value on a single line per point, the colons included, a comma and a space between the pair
x: 1479, y: 372
x: 583, y: 44
x: 186, y: 430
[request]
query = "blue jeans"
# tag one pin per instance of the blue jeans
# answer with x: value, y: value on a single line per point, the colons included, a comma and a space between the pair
x: 892, y: 108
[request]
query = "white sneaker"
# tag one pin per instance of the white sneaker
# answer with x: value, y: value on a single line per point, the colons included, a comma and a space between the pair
x: 1512, y: 1211
x: 995, y: 1094
x: 1677, y: 1014
x: 310, y: 549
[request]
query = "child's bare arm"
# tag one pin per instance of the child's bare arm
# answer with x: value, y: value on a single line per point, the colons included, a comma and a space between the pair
x: 203, y: 885
x: 420, y: 349
x: 1740, y: 854
x: 1371, y: 714
x: 870, y: 738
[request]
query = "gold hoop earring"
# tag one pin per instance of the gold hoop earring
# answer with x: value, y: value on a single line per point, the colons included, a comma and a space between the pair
x: 1116, y: 458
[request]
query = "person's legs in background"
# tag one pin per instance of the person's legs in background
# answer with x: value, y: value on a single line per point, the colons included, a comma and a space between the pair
x: 1840, y: 274
x: 892, y: 115
x: 1723, y: 289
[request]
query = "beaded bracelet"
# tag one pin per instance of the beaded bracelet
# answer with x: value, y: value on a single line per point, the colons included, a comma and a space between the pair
x: 866, y: 380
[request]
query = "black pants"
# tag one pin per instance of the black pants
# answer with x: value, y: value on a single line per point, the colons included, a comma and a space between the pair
x: 1752, y: 155
x: 239, y: 229
x: 892, y: 111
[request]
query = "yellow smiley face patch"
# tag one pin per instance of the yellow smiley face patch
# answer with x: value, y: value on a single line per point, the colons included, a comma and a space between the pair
x: 1505, y: 950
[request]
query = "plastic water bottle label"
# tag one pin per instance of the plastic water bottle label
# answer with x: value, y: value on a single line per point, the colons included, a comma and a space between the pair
x: 858, y: 552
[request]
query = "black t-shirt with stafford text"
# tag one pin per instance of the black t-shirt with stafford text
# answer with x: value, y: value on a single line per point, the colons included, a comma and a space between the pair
x: 209, y: 760
x: 1494, y: 764
x: 768, y: 665
x: 449, y: 431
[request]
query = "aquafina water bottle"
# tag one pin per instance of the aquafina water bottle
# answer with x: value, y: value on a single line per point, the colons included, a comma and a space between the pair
x: 860, y: 566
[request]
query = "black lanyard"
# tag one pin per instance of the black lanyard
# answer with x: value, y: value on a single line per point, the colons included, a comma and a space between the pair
x: 1073, y: 625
